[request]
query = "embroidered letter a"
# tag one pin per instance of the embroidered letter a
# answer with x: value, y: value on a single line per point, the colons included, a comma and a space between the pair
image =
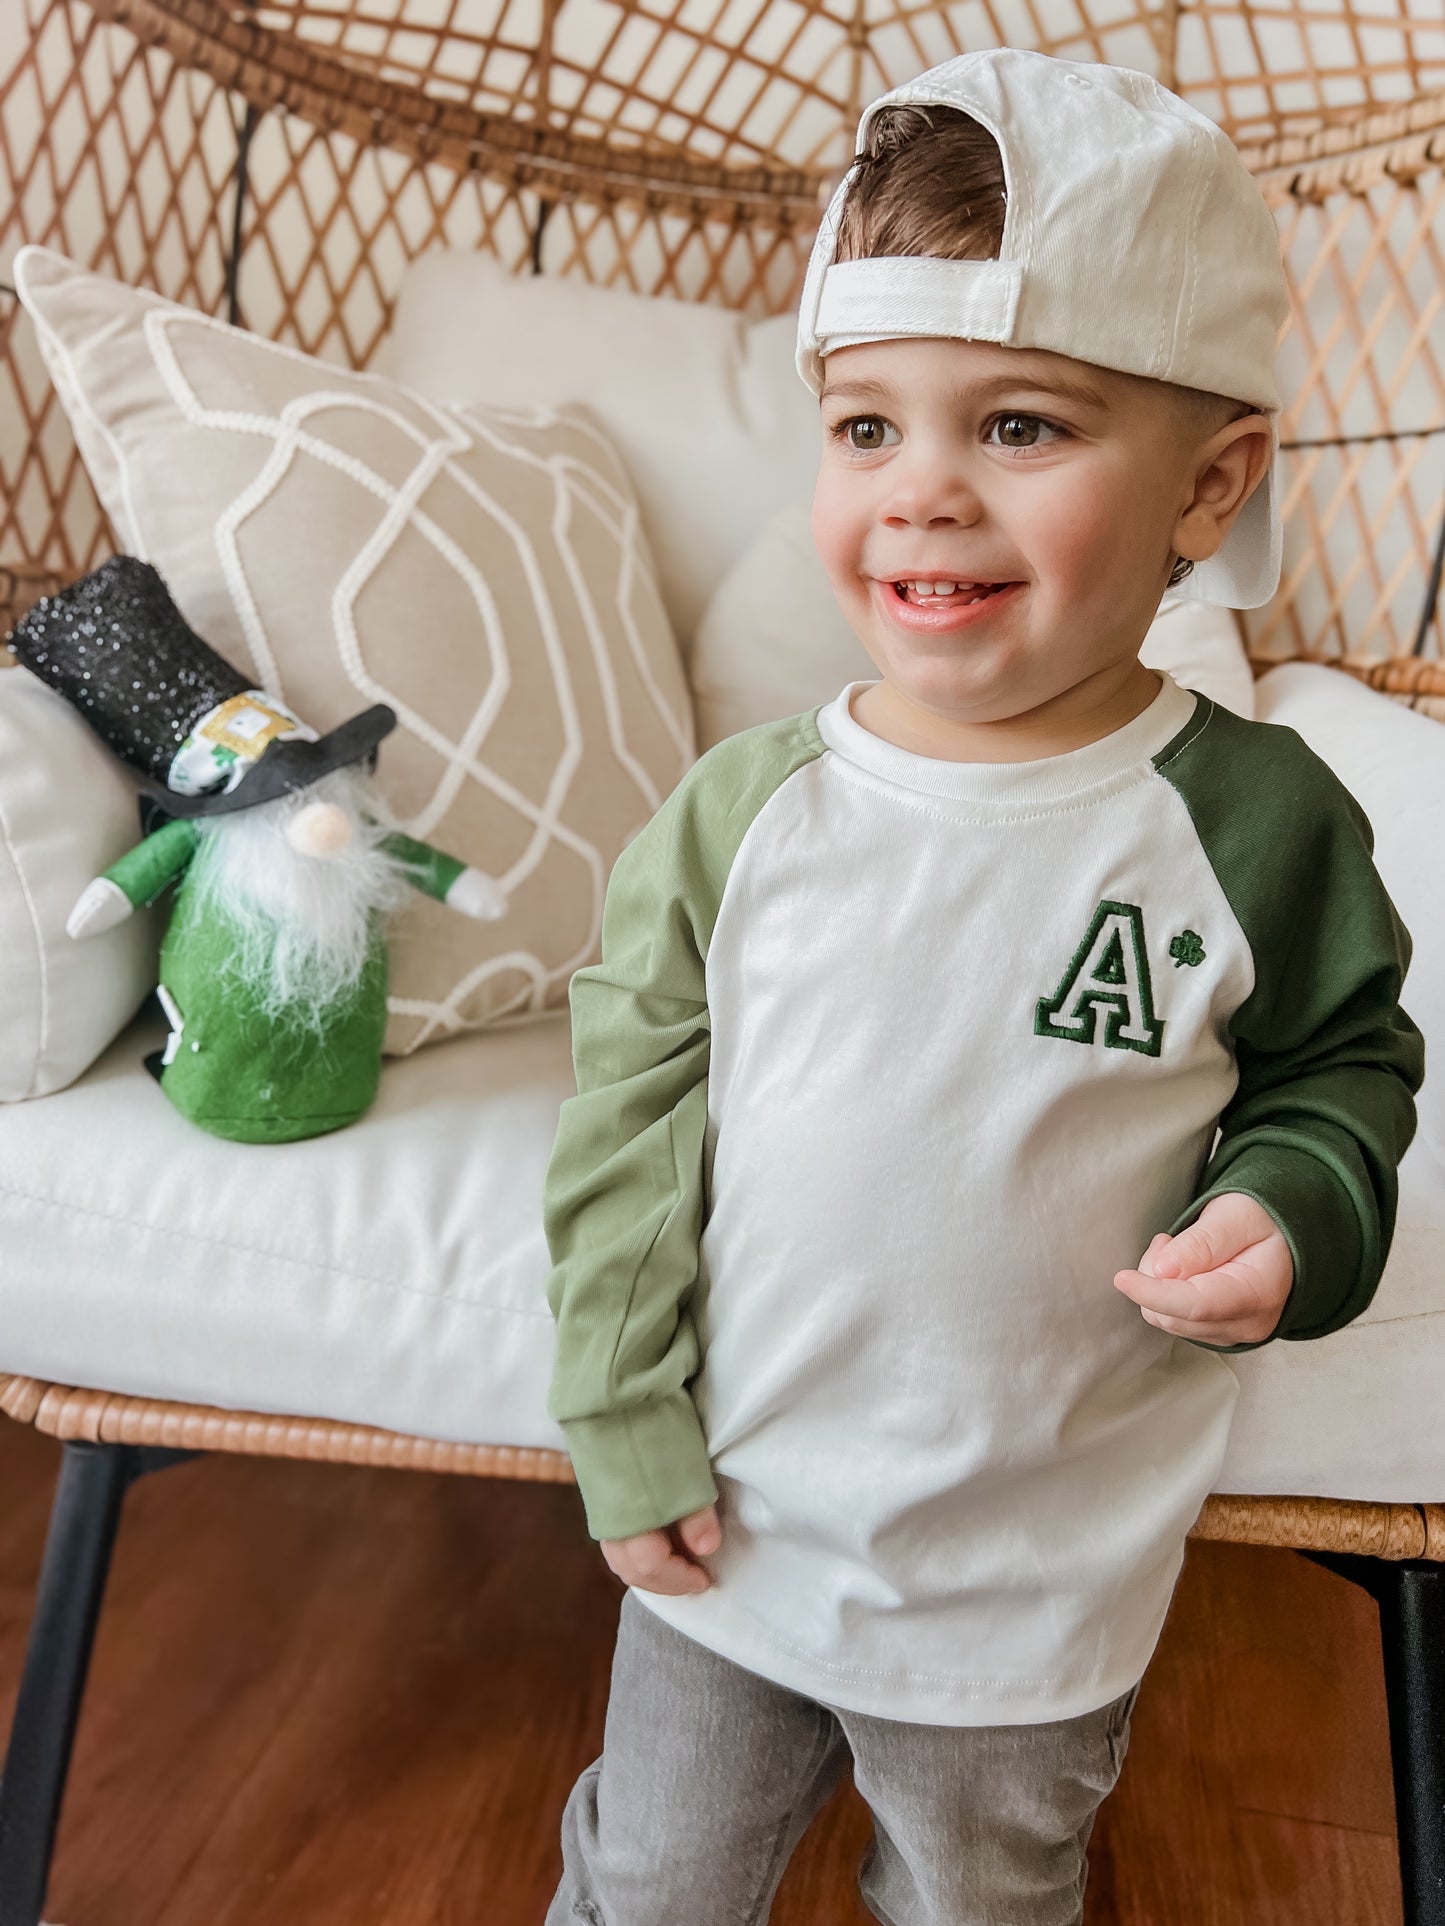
x: 1109, y: 968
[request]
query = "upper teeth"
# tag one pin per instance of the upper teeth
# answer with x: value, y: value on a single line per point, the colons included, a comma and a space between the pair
x: 934, y: 588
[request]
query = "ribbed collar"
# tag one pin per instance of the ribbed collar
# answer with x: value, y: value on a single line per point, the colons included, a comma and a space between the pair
x: 1042, y: 783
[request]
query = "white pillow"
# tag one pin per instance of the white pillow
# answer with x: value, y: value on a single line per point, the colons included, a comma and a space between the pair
x: 773, y: 640
x: 707, y: 411
x: 67, y: 811
x: 1393, y: 763
x: 1200, y: 646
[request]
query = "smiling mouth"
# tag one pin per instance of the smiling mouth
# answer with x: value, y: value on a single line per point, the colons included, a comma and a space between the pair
x: 946, y: 595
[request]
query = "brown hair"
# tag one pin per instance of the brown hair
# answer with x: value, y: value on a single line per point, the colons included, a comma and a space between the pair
x: 930, y: 181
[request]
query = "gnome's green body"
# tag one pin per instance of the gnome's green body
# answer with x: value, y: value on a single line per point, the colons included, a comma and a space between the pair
x: 229, y: 1065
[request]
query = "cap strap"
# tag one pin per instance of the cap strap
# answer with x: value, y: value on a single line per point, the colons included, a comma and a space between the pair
x: 876, y: 300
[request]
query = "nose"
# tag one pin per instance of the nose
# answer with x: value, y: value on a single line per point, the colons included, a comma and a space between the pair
x: 319, y: 829
x: 928, y: 490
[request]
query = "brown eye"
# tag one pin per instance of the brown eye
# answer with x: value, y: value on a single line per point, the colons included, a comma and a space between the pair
x: 867, y: 433
x: 1021, y: 431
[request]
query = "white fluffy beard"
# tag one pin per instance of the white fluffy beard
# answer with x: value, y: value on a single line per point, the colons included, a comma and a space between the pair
x: 302, y: 924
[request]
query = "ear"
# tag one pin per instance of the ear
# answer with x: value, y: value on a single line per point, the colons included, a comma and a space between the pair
x: 1230, y: 466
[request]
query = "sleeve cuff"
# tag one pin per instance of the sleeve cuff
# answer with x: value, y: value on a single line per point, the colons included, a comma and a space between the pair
x: 641, y: 1467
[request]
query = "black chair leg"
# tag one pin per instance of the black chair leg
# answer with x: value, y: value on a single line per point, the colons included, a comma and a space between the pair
x: 83, y: 1521
x: 1411, y: 1597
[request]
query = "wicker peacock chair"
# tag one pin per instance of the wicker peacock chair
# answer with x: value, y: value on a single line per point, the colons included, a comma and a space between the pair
x: 280, y: 161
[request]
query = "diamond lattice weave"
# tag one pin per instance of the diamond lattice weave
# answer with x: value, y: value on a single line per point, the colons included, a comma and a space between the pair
x: 677, y: 148
x: 346, y: 542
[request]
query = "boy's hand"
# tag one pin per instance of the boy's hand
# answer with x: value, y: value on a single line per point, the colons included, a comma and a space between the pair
x: 1224, y: 1280
x: 666, y: 1561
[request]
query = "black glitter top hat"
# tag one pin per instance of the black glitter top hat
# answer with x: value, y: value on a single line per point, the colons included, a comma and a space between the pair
x: 117, y: 647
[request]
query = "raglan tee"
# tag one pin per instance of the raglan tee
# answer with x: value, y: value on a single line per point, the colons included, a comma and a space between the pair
x: 889, y: 1065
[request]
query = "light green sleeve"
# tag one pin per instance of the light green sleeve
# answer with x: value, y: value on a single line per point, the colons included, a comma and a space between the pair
x: 144, y: 871
x: 430, y: 870
x: 623, y: 1201
x: 1328, y: 1062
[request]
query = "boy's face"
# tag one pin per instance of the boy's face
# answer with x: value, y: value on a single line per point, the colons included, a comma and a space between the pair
x: 1047, y: 490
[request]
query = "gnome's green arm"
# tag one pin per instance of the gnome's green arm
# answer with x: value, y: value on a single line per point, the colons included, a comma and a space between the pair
x: 135, y: 880
x: 454, y: 883
x: 430, y: 870
x: 144, y: 871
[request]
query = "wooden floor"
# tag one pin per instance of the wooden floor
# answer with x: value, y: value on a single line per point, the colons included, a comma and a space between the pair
x: 358, y: 1698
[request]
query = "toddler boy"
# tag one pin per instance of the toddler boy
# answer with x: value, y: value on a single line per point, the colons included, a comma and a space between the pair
x: 892, y: 1185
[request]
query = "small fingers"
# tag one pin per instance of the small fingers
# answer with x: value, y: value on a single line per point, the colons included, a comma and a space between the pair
x: 1169, y: 1297
x: 700, y: 1531
x: 677, y: 1579
x: 649, y: 1561
x: 1207, y: 1331
x: 1227, y: 1226
x: 1224, y: 1280
x: 1156, y: 1244
x: 1193, y: 1250
x: 1218, y: 1309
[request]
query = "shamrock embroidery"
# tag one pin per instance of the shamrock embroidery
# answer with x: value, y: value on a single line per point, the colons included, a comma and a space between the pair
x: 1187, y: 947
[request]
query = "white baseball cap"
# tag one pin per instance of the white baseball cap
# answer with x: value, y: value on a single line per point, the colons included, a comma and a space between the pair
x: 1134, y: 238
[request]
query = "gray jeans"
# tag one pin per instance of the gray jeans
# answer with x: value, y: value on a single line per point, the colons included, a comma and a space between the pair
x: 710, y: 1775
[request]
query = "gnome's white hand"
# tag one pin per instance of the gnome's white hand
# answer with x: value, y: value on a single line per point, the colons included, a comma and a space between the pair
x: 100, y: 906
x: 477, y: 895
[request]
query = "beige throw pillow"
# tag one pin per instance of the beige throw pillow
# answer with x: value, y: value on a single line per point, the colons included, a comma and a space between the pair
x: 347, y: 542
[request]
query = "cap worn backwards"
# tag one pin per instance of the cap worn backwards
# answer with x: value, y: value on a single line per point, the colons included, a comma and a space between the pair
x: 1134, y: 238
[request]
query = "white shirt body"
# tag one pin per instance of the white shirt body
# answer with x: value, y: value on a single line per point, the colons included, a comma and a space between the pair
x: 956, y: 1466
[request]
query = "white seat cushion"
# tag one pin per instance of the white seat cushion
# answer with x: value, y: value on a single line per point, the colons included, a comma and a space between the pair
x: 1357, y: 1415
x: 392, y: 1274
x: 395, y: 1273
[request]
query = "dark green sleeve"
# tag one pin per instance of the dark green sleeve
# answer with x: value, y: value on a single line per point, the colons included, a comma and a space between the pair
x: 1328, y: 1061
x: 623, y: 1200
x: 430, y: 870
x: 144, y: 871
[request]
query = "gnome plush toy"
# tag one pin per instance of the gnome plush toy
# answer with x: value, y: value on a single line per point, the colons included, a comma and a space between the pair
x: 273, y: 969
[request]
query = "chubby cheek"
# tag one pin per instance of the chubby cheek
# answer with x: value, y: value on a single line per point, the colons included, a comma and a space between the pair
x: 1069, y: 534
x: 840, y: 526
x: 1090, y: 544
